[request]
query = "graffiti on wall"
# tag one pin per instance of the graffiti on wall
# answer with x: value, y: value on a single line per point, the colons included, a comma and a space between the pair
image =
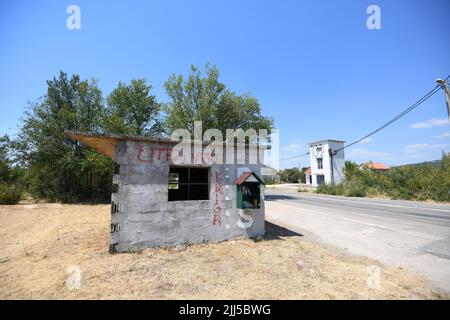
x: 148, y: 155
x: 218, y: 191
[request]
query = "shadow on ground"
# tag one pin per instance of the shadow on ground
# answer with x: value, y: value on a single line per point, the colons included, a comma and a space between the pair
x: 275, y: 197
x: 275, y: 232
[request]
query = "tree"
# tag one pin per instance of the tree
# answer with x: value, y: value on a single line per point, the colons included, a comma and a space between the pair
x: 351, y: 169
x: 132, y: 110
x: 58, y: 167
x: 4, y: 161
x: 293, y: 175
x: 10, y: 188
x: 206, y: 99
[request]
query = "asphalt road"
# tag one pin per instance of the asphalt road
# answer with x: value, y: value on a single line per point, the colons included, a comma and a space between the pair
x: 399, y: 233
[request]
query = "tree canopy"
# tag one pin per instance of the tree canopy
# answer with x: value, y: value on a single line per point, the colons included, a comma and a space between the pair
x: 59, y: 168
x: 5, y: 162
x: 132, y: 110
x: 206, y: 99
x: 292, y: 175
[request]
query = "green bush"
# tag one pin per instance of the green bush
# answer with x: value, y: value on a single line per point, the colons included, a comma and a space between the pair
x: 355, y: 188
x: 337, y: 189
x: 10, y: 193
x: 268, y: 181
x: 293, y: 175
x: 420, y: 182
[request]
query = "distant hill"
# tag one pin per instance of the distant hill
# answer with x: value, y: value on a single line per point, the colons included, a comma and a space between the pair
x: 434, y: 163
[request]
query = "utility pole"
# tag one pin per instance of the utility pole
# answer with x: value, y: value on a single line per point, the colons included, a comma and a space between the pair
x: 331, y: 153
x: 444, y: 86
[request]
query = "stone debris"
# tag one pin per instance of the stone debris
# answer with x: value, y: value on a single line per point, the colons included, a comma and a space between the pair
x: 180, y: 247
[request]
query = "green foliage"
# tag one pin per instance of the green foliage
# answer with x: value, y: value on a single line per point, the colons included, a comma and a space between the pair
x: 10, y: 193
x: 420, y: 182
x: 10, y: 189
x: 206, y: 99
x: 331, y: 189
x: 49, y: 165
x: 268, y: 181
x: 354, y: 188
x: 60, y: 168
x: 351, y: 169
x: 132, y: 110
x: 293, y: 175
x: 6, y: 174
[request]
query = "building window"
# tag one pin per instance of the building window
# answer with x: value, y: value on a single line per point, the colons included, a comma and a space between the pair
x: 320, y: 179
x: 188, y: 184
x: 319, y: 163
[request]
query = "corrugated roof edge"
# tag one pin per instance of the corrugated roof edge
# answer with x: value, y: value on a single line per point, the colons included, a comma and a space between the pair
x: 138, y: 138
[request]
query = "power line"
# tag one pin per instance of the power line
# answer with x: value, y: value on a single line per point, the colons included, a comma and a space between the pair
x: 400, y: 115
x: 294, y: 157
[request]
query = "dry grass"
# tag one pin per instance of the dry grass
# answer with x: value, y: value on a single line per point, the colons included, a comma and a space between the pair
x: 39, y: 242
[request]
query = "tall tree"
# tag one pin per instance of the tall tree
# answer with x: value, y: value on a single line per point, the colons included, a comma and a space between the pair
x: 60, y: 168
x: 206, y: 99
x: 10, y: 188
x: 132, y: 110
x: 5, y: 162
x: 293, y: 175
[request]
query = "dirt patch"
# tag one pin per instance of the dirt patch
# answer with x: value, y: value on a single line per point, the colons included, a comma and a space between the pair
x: 41, y: 242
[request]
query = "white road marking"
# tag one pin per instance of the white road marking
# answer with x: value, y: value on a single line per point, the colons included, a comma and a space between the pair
x: 383, y: 216
x: 310, y: 209
x: 372, y: 203
x: 367, y: 224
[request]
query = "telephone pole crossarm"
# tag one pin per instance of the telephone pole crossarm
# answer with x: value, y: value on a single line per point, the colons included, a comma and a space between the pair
x: 444, y: 86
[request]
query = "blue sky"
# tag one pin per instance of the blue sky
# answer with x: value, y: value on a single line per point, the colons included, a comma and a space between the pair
x: 314, y: 65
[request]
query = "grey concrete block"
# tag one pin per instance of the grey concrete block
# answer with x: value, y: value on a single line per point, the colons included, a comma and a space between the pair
x: 147, y: 219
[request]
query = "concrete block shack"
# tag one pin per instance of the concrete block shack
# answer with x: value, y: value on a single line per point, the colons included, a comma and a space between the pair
x: 155, y: 203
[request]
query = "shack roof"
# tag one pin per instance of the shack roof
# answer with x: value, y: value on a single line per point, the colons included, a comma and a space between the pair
x: 244, y: 177
x: 106, y: 144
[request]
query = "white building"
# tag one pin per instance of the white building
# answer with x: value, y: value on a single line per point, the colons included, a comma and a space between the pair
x: 327, y: 162
x: 270, y: 174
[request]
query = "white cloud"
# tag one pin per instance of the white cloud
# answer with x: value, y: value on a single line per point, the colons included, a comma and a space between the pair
x: 430, y: 123
x: 366, y: 140
x: 444, y: 135
x: 421, y: 147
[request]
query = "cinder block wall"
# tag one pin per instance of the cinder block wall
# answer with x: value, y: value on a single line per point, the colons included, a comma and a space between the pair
x: 142, y: 216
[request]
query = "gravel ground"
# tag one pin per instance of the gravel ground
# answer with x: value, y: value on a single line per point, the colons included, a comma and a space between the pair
x: 45, y: 245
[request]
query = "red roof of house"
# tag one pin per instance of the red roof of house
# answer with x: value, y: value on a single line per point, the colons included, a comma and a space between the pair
x: 245, y: 176
x: 376, y: 166
x: 308, y: 171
